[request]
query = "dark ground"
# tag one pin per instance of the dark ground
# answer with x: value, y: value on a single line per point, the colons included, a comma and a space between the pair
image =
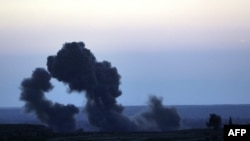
x: 29, y: 132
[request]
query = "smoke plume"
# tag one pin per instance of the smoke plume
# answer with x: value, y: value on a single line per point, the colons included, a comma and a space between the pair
x: 158, y: 117
x: 55, y: 115
x: 77, y: 67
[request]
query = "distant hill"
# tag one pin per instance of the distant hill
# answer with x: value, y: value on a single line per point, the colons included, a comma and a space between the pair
x: 193, y: 116
x: 201, y: 111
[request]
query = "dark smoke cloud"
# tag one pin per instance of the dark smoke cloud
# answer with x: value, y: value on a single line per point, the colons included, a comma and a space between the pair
x: 57, y: 116
x: 78, y: 68
x: 74, y: 65
x: 158, y: 117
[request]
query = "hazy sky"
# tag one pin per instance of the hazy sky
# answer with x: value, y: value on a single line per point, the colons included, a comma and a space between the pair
x: 187, y: 51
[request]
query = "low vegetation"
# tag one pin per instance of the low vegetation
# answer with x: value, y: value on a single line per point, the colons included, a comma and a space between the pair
x: 28, y: 132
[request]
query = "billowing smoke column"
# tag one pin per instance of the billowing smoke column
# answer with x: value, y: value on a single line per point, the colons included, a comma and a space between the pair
x: 77, y: 66
x: 158, y: 117
x: 55, y: 115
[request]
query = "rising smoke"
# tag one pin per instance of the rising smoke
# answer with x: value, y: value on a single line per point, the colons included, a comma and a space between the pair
x: 59, y: 117
x: 77, y: 67
x: 158, y: 117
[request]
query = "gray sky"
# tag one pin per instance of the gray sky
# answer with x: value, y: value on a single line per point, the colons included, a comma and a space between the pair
x: 187, y: 51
